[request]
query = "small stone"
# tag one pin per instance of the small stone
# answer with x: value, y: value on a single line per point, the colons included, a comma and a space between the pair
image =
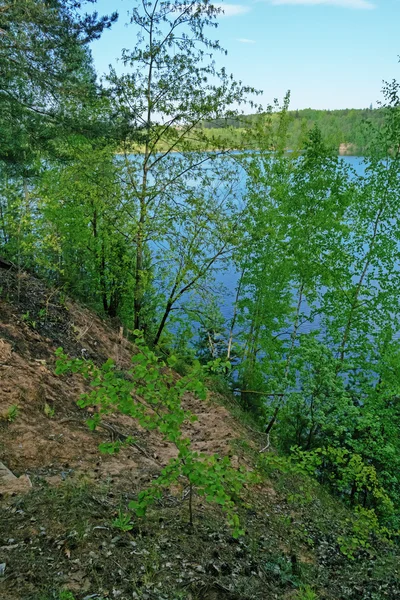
x: 2, y: 569
x: 200, y: 569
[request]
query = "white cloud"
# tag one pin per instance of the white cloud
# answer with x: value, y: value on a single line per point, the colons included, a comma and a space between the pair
x: 245, y: 41
x: 232, y: 10
x: 358, y: 4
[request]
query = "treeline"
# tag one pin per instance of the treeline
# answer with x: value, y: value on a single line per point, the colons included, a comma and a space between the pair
x: 346, y: 130
x: 143, y: 238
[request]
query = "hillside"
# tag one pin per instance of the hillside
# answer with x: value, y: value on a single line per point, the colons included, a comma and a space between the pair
x: 57, y: 540
x: 348, y: 130
x: 31, y: 329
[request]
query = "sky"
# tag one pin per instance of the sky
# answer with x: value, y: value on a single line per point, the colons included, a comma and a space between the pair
x: 330, y: 54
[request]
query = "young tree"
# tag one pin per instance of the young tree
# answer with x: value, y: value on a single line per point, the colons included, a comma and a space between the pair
x: 81, y: 232
x: 294, y: 219
x: 48, y: 94
x: 171, y: 85
x: 337, y: 383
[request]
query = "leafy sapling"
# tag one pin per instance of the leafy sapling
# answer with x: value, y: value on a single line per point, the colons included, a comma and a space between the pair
x: 153, y: 394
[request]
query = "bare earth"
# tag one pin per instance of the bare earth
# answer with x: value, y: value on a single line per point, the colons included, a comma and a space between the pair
x: 57, y: 447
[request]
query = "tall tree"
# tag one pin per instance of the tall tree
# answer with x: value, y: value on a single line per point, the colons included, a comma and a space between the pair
x: 171, y: 86
x: 293, y: 219
x: 43, y: 60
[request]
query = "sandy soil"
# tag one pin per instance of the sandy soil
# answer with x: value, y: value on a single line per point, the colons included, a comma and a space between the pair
x: 34, y: 321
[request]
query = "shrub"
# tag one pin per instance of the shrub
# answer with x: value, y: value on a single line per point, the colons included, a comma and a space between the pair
x: 152, y: 393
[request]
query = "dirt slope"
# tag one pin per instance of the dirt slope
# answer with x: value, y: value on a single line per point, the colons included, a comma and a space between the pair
x: 34, y: 321
x: 59, y: 540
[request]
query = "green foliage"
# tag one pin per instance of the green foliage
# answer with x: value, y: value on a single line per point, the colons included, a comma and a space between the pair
x: 11, y: 414
x: 151, y: 393
x: 282, y: 569
x: 365, y: 527
x: 350, y: 127
x: 46, y: 76
x: 66, y: 595
x: 30, y: 322
x: 347, y: 473
x: 306, y: 593
x: 109, y: 447
x: 182, y: 205
x: 329, y: 389
x: 123, y: 522
x: 49, y: 411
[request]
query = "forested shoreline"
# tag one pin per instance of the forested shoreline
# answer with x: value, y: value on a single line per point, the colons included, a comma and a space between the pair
x: 346, y: 130
x: 141, y: 238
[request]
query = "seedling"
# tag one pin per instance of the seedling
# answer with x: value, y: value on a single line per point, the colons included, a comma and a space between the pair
x: 11, y: 413
x: 26, y: 319
x: 48, y: 410
x: 123, y: 522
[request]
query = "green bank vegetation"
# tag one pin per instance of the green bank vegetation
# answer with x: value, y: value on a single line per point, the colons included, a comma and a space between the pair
x: 347, y: 130
x: 143, y: 238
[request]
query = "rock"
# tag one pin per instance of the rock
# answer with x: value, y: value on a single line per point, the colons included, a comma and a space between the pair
x: 200, y: 569
x: 10, y: 484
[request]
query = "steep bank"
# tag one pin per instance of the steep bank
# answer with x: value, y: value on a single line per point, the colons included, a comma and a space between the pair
x: 57, y: 541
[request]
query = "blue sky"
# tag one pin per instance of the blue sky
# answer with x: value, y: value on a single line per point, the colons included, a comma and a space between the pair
x: 329, y: 53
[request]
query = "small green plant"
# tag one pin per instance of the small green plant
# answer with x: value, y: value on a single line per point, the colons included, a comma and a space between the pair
x: 27, y: 319
x: 302, y: 497
x: 66, y: 595
x: 152, y: 394
x: 123, y: 522
x: 306, y: 593
x: 48, y: 410
x: 364, y: 525
x: 112, y: 447
x: 348, y: 474
x: 11, y: 414
x: 282, y: 569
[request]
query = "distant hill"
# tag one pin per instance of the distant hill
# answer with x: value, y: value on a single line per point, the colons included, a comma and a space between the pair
x: 346, y: 129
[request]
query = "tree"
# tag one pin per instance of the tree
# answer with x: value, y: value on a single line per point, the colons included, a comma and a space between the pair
x: 323, y: 250
x: 48, y: 95
x: 81, y: 234
x: 171, y: 87
x: 150, y: 392
x: 293, y: 221
x: 43, y: 59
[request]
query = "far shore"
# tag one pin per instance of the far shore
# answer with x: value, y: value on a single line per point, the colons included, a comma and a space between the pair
x: 343, y: 150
